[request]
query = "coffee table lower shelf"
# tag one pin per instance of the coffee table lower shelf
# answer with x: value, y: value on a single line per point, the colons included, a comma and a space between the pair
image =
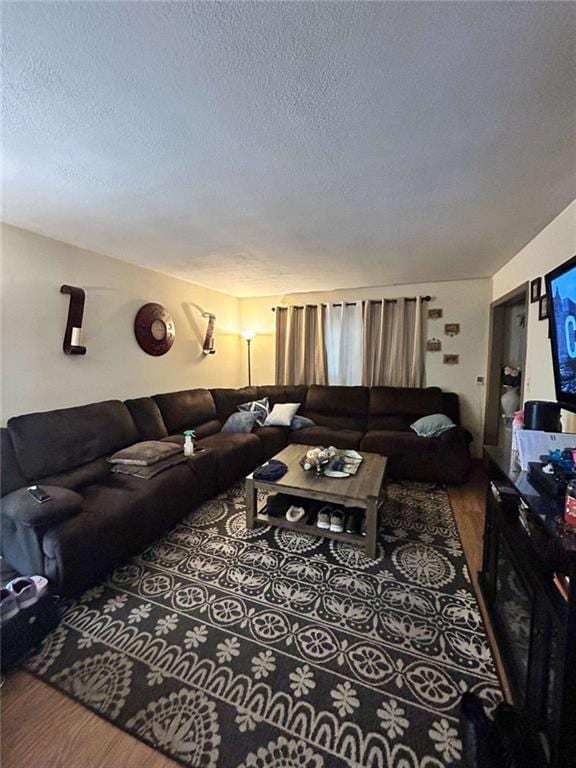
x: 310, y: 530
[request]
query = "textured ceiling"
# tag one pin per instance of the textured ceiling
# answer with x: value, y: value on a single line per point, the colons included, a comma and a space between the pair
x: 273, y: 147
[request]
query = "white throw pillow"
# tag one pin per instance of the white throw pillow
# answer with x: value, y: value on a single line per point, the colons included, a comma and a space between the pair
x: 281, y: 415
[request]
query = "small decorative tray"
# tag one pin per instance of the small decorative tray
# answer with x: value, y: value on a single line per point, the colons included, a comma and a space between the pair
x: 344, y: 463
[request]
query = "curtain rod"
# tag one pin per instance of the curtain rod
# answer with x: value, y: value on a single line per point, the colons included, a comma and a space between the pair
x: 351, y: 303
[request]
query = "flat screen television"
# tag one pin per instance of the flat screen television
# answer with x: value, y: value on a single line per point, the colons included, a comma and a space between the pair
x: 561, y: 294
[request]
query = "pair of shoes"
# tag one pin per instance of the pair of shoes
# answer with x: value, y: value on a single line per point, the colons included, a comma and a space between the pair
x: 331, y: 520
x: 294, y: 514
x: 354, y: 520
x: 20, y: 593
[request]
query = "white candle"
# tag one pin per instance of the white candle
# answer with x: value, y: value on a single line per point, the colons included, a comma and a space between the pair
x: 76, y: 337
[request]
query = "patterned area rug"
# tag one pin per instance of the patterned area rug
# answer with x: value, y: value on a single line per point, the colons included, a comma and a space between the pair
x: 252, y: 649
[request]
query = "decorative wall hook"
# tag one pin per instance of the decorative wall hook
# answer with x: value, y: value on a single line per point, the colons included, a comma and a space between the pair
x: 73, y: 336
x: 208, y: 346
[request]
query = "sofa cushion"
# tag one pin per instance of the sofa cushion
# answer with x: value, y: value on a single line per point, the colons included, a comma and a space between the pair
x: 189, y: 409
x: 340, y: 438
x: 280, y: 393
x: 50, y: 442
x: 451, y: 406
x: 337, y: 407
x: 147, y: 417
x: 427, y: 459
x: 88, y: 473
x: 273, y: 440
x: 398, y: 407
x: 228, y: 400
x: 236, y: 455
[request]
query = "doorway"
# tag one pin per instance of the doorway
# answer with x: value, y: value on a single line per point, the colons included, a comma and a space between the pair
x: 506, y: 363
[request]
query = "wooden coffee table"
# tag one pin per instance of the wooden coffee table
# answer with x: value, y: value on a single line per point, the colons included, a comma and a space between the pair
x: 365, y: 489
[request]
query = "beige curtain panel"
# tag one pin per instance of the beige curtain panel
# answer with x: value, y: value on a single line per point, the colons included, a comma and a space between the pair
x: 392, y: 344
x: 388, y: 333
x: 300, y: 345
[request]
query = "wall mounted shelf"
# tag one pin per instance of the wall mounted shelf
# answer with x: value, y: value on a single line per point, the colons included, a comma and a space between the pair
x: 72, y: 336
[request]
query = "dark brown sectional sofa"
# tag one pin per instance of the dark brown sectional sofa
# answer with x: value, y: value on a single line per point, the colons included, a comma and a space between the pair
x: 96, y: 519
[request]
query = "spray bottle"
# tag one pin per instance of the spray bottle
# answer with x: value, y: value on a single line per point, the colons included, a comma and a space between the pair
x: 189, y: 437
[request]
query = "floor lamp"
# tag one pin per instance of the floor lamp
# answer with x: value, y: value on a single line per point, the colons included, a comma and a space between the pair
x: 248, y: 335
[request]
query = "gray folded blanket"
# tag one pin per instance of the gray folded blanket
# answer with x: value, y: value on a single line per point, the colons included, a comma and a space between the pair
x: 145, y: 453
x: 136, y: 470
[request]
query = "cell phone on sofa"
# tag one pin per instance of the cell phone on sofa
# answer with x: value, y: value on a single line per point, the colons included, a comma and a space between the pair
x: 38, y: 494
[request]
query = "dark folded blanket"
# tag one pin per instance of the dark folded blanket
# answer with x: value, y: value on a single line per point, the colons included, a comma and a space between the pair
x: 272, y: 470
x: 135, y: 470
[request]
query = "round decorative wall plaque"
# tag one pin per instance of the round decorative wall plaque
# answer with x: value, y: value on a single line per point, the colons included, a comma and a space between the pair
x: 154, y: 329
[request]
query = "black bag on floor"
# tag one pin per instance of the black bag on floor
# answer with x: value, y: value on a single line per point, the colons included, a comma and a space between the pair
x: 25, y: 632
x: 508, y: 741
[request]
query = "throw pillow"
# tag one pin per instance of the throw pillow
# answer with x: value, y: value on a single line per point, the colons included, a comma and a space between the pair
x: 242, y: 421
x: 299, y: 422
x: 146, y: 453
x: 281, y: 415
x: 433, y: 425
x: 260, y: 407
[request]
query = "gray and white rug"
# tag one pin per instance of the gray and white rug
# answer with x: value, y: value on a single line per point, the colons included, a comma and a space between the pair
x: 252, y: 649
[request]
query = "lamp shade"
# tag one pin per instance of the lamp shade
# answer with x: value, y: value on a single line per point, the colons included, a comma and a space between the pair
x: 248, y: 334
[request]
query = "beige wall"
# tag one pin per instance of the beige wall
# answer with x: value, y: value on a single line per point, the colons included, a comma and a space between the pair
x: 36, y: 375
x: 551, y: 247
x: 463, y: 301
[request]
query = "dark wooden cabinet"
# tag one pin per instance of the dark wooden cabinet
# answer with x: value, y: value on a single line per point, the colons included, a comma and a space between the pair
x: 528, y: 579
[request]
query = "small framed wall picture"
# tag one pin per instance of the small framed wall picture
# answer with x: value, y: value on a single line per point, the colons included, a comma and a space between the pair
x: 451, y: 359
x: 434, y: 314
x: 452, y: 329
x: 535, y: 290
x: 543, y: 308
x: 433, y: 345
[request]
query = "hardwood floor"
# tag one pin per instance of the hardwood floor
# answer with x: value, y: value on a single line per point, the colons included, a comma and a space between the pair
x: 468, y: 505
x: 42, y: 728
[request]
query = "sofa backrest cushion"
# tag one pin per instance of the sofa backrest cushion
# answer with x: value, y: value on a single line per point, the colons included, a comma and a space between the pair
x: 11, y: 477
x: 147, y: 417
x: 451, y: 406
x: 75, y: 478
x: 228, y: 400
x: 337, y: 407
x: 395, y: 408
x: 54, y: 441
x: 283, y: 393
x: 189, y: 409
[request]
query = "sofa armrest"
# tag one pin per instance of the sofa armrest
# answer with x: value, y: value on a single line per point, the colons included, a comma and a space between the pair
x: 24, y: 510
x: 457, y: 434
